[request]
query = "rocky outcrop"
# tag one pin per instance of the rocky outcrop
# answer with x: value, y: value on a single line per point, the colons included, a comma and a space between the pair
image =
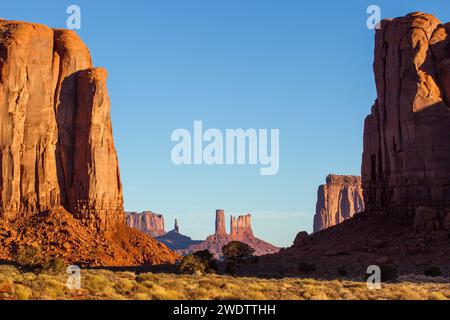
x: 220, y: 222
x: 406, y: 160
x: 338, y: 200
x: 56, y: 142
x: 240, y: 230
x: 56, y: 137
x: 146, y: 222
x: 174, y: 240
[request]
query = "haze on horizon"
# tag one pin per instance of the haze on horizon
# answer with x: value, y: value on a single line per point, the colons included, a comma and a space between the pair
x: 305, y: 69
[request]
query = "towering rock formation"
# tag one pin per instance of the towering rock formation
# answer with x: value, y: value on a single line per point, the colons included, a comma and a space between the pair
x: 56, y: 142
x: 240, y: 230
x: 56, y: 137
x: 406, y: 160
x: 220, y: 222
x: 147, y: 222
x: 338, y: 200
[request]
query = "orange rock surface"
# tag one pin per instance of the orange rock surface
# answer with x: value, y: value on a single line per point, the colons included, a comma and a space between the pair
x: 338, y: 200
x: 57, y: 151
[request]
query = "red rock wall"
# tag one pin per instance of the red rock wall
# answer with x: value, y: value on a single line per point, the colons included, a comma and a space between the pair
x: 338, y: 200
x: 406, y: 160
x: 147, y: 222
x: 55, y: 131
x: 241, y: 228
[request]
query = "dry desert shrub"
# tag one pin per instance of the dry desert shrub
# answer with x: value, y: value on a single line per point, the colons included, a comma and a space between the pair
x: 103, y: 284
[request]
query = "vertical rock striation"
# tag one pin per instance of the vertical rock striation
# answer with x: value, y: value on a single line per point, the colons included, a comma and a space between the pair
x: 146, y: 222
x: 55, y: 130
x: 406, y: 160
x: 220, y: 222
x: 60, y: 185
x: 338, y: 200
x: 240, y: 230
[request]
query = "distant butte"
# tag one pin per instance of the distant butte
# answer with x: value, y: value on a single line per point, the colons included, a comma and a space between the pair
x: 338, y: 200
x: 240, y: 230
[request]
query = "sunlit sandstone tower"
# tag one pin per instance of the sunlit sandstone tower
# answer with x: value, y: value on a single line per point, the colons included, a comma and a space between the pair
x: 241, y: 228
x: 406, y: 160
x: 220, y: 222
x: 56, y: 139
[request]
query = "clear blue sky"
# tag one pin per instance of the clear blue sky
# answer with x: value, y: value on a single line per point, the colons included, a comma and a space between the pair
x: 303, y: 67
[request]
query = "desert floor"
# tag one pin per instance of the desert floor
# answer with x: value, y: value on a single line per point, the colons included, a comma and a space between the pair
x: 105, y: 284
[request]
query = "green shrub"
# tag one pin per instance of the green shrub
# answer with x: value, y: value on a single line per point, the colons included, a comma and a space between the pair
x: 193, y: 265
x: 203, y: 255
x: 433, y: 272
x: 28, y: 257
x: 53, y: 266
x: 208, y: 258
x: 236, y: 253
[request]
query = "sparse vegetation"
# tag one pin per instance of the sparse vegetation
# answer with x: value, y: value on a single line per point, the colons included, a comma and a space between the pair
x: 192, y: 264
x: 236, y: 253
x: 103, y: 284
x: 199, y: 263
x: 30, y: 258
x: 208, y: 258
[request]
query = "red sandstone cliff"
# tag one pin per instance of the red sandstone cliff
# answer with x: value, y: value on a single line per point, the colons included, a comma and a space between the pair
x: 405, y: 167
x: 59, y: 167
x: 338, y: 200
x: 147, y: 222
x: 240, y: 230
x: 406, y: 160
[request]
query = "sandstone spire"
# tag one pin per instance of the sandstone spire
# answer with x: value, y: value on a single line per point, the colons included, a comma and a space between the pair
x: 176, y: 227
x: 244, y: 227
x: 233, y: 227
x: 220, y: 222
